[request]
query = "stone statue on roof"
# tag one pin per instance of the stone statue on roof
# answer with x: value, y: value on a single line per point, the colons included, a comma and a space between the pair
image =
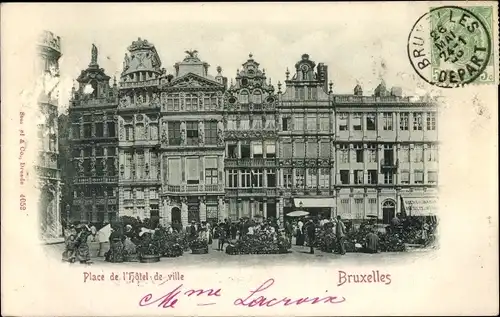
x: 94, y: 54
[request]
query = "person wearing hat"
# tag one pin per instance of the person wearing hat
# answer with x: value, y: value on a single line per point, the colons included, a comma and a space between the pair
x: 311, y: 234
x: 82, y: 247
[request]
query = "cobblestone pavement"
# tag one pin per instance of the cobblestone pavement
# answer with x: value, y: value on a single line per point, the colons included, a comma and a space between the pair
x: 298, y: 255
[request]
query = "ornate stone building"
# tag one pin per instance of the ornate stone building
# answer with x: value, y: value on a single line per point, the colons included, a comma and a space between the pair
x: 306, y: 139
x: 49, y: 181
x: 386, y: 153
x: 250, y: 115
x: 138, y: 117
x: 192, y: 143
x: 94, y: 145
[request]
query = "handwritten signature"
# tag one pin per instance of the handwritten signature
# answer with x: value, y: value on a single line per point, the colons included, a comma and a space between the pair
x: 256, y: 298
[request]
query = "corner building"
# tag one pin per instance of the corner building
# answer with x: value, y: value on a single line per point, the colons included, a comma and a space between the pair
x: 250, y: 116
x: 192, y: 143
x: 94, y: 145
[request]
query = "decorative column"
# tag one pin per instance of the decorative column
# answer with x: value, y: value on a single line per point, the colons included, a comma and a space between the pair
x: 380, y: 158
x: 264, y: 211
x: 221, y: 209
x: 165, y: 214
x: 203, y: 209
x: 252, y: 207
x: 184, y: 212
x: 279, y: 209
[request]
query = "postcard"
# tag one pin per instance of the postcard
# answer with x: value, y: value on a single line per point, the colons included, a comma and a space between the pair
x: 250, y: 159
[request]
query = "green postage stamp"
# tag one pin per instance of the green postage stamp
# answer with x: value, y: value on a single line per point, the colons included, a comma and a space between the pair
x: 453, y: 46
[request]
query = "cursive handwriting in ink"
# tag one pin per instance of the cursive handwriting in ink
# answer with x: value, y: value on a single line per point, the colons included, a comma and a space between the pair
x: 171, y: 298
x: 256, y: 299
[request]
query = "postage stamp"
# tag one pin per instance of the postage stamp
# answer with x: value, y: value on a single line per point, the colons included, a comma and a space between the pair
x: 451, y: 46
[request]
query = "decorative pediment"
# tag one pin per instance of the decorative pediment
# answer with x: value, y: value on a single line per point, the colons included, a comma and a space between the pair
x: 193, y: 81
x: 93, y: 74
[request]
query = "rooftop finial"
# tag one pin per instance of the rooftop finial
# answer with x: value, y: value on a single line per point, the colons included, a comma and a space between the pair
x: 93, y: 60
x: 279, y: 87
x: 330, y: 85
x: 287, y: 73
x: 250, y: 55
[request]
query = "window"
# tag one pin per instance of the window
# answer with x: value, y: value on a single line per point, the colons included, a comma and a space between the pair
x: 358, y: 177
x: 191, y: 102
x: 300, y: 150
x: 417, y: 121
x: 99, y: 151
x: 140, y: 132
x: 312, y: 149
x: 356, y: 122
x: 212, y: 213
x: 372, y: 153
x: 388, y: 154
x: 110, y: 191
x: 287, y: 178
x: 153, y: 166
x: 76, y: 153
x: 311, y: 122
x: 419, y: 153
x: 76, y: 131
x: 245, y: 178
x: 299, y: 177
x: 210, y: 102
x: 127, y: 194
x: 324, y: 149
x: 140, y: 165
x: 343, y: 121
x: 372, y: 177
x: 432, y: 151
x: 287, y: 149
x: 372, y: 206
x: 99, y: 129
x: 129, y: 133
x: 312, y: 178
x: 388, y: 177
x: 192, y: 133
x: 87, y: 130
x: 257, y: 150
x: 344, y: 177
x: 128, y: 165
x: 211, y: 176
x: 173, y: 103
x: 298, y: 123
x: 192, y: 170
x: 153, y: 132
x: 419, y: 177
x: 232, y: 178
x: 87, y: 152
x: 99, y: 168
x: 257, y: 178
x: 243, y: 97
x: 231, y: 123
x: 174, y: 171
x: 404, y: 118
x: 405, y: 153
x: 244, y: 123
x: 174, y: 133
x: 111, y: 129
x: 344, y: 153
x: 110, y: 162
x: 111, y: 151
x: 324, y: 177
x: 270, y: 150
x: 245, y: 150
x: 232, y: 151
x: 405, y: 177
x: 358, y: 151
x: 387, y: 121
x: 257, y: 97
x: 371, y: 123
x: 431, y: 121
x: 211, y: 132
x: 359, y: 207
x: 300, y: 93
x: 271, y: 178
x: 270, y: 122
x: 432, y: 177
x: 257, y: 123
x: 139, y: 194
x: 286, y: 123
x: 324, y: 122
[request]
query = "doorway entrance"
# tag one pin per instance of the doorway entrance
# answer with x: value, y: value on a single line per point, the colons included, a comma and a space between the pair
x: 176, y: 215
x: 388, y: 211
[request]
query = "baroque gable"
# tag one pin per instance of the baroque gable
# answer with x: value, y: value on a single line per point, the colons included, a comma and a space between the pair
x: 192, y: 81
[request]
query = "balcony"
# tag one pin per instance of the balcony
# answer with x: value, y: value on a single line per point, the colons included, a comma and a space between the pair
x: 251, y: 191
x: 389, y: 164
x: 193, y: 188
x: 248, y: 162
x: 146, y: 83
x: 93, y: 180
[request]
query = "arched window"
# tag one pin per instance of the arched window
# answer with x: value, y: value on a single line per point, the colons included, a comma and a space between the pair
x: 388, y: 211
x: 257, y: 97
x: 244, y: 97
x: 94, y: 88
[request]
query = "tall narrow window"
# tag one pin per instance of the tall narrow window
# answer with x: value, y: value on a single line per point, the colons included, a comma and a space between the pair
x: 140, y: 165
x: 287, y: 177
x: 270, y: 123
x: 344, y: 177
x: 419, y: 153
x: 298, y: 124
x: 372, y: 177
x: 174, y: 133
x: 211, y: 132
x: 432, y: 177
x: 140, y: 132
x: 99, y: 129
x: 232, y: 178
x: 270, y: 149
x: 356, y: 122
x: 128, y: 165
x: 405, y: 153
x: 129, y: 133
x: 246, y: 178
x: 432, y: 151
x: 174, y: 171
x: 257, y: 123
x: 405, y: 177
x: 257, y: 178
x: 312, y: 149
x: 153, y: 132
x: 358, y: 177
x: 192, y: 133
x: 388, y: 177
x: 372, y: 153
x: 191, y: 102
x: 257, y: 97
x: 358, y: 152
x: 417, y: 121
x: 243, y: 97
x: 312, y: 178
x: 404, y: 119
x: 271, y: 178
x: 244, y: 123
x: 153, y: 166
x: 312, y: 122
x: 299, y: 177
x: 300, y: 150
x: 324, y: 178
x: 419, y: 177
x: 431, y: 121
x: 193, y: 170
x: 343, y: 121
x: 324, y: 149
x: 387, y: 121
x: 287, y: 149
x: 324, y: 122
x: 344, y: 153
x: 371, y: 123
x: 231, y: 123
x: 257, y: 150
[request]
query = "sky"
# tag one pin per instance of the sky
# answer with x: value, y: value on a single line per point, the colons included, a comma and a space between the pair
x: 357, y: 45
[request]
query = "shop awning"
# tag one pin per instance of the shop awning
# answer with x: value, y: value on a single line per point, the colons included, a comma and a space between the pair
x: 420, y: 206
x: 314, y: 202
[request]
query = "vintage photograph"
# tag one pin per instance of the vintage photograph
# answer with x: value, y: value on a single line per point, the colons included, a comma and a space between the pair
x: 249, y: 159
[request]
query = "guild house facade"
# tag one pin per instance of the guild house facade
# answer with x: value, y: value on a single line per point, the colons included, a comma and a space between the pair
x: 49, y: 181
x: 94, y: 145
x: 189, y: 147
